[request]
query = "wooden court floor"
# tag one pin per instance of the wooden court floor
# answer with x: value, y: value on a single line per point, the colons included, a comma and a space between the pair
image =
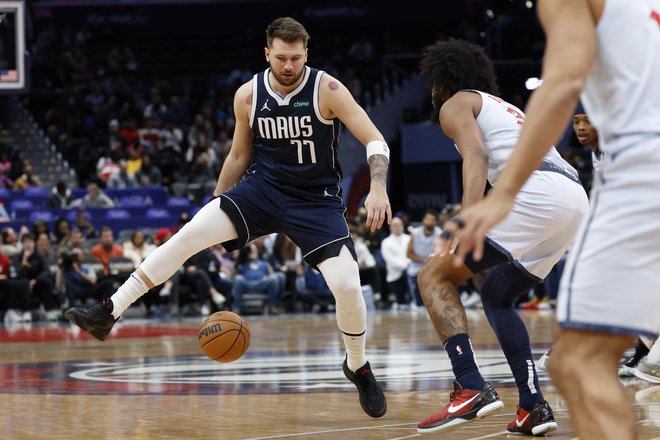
x: 149, y: 380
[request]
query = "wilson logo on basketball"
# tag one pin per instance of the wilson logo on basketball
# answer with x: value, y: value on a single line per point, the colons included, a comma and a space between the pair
x: 209, y: 330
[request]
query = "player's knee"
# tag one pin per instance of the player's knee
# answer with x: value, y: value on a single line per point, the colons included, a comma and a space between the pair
x: 344, y: 287
x: 429, y: 275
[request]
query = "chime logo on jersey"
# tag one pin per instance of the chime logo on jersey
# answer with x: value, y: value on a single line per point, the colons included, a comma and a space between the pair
x: 285, y: 127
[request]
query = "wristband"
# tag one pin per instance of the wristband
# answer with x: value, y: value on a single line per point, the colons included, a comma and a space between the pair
x: 378, y: 147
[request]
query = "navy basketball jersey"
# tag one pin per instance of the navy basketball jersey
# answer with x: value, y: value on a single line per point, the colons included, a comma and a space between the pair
x: 294, y: 145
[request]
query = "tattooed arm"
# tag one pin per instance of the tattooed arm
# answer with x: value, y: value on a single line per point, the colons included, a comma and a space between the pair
x: 337, y: 102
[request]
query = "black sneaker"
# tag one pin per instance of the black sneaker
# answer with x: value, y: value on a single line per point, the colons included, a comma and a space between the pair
x: 641, y: 350
x: 535, y: 422
x: 97, y: 320
x: 372, y: 398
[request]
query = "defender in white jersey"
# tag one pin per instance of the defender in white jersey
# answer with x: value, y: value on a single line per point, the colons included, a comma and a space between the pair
x: 610, y: 51
x: 521, y: 250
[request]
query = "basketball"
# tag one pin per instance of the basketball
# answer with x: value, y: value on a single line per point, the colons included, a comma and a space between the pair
x: 224, y: 337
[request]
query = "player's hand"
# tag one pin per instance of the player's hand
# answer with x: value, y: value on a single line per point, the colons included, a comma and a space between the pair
x: 378, y: 207
x: 473, y: 223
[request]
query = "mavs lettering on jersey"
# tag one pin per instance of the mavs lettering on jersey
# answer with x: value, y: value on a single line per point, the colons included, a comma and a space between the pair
x: 293, y: 144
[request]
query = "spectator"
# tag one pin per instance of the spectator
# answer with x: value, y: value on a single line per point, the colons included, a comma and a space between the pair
x: 78, y: 281
x: 149, y: 173
x: 369, y: 274
x: 14, y: 295
x: 313, y: 289
x: 95, y: 198
x: 106, y: 249
x: 40, y: 226
x: 5, y: 180
x: 178, y: 113
x: 422, y: 242
x: 62, y: 232
x: 32, y: 267
x: 137, y: 249
x: 28, y: 178
x: 155, y: 109
x: 45, y: 248
x: 394, y: 249
x: 172, y: 135
x: 199, y: 273
x: 4, y: 215
x: 61, y: 197
x: 77, y: 240
x: 255, y: 275
x: 201, y: 126
x: 122, y: 179
x: 11, y: 245
x: 84, y: 224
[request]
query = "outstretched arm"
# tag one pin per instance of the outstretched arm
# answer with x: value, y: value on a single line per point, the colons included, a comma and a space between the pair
x: 570, y: 51
x: 240, y: 154
x: 337, y: 101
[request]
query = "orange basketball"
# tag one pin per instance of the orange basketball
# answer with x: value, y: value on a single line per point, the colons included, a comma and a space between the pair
x: 224, y: 336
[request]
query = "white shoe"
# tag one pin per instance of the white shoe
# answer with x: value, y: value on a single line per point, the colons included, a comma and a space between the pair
x: 26, y: 317
x: 218, y: 298
x: 625, y: 371
x: 542, y: 364
x: 470, y: 300
x: 648, y: 371
x: 12, y: 316
x: 205, y: 310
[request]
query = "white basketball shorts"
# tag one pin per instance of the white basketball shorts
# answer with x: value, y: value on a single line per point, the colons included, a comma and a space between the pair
x: 611, y: 282
x: 543, y: 223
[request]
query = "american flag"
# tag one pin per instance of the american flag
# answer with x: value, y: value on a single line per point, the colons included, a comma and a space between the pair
x: 9, y: 75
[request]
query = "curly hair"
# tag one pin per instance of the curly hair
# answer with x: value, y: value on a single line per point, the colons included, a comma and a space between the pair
x: 454, y: 65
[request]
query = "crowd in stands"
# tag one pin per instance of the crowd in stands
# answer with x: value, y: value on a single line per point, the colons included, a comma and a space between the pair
x: 121, y: 126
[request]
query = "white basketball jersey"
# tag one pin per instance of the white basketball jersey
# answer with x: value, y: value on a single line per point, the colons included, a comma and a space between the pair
x: 500, y: 124
x: 622, y: 95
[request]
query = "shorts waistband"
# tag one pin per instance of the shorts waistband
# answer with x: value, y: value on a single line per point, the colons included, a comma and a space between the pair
x: 549, y: 166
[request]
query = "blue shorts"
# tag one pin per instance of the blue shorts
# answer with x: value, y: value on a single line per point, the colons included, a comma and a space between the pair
x: 314, y: 220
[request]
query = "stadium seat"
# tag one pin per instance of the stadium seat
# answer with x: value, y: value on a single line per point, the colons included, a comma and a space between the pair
x: 21, y: 204
x: 178, y: 201
x: 121, y: 268
x: 43, y: 216
x: 133, y: 201
x: 36, y: 191
x: 117, y: 213
x: 157, y: 213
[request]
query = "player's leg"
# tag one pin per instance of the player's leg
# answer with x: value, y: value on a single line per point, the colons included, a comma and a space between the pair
x: 342, y: 275
x: 582, y: 367
x: 209, y: 226
x: 473, y: 397
x: 498, y: 292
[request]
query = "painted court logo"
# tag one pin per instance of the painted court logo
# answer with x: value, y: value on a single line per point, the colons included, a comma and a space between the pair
x: 255, y: 373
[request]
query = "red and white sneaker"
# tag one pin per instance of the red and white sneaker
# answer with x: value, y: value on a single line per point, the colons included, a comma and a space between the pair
x: 538, y: 421
x: 464, y: 406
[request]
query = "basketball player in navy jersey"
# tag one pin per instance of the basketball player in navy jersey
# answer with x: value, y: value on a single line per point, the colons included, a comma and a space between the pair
x: 521, y: 251
x: 609, y: 290
x: 282, y: 175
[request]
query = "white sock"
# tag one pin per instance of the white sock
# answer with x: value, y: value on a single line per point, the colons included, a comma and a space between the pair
x: 132, y: 289
x: 355, y: 355
x: 342, y: 275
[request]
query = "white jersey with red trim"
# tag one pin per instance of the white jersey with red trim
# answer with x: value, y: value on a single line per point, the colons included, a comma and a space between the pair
x: 500, y: 123
x: 622, y: 95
